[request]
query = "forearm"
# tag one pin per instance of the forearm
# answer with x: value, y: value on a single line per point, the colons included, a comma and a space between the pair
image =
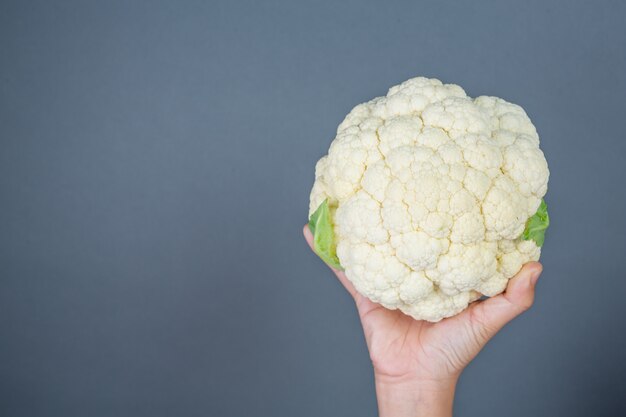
x: 409, y: 398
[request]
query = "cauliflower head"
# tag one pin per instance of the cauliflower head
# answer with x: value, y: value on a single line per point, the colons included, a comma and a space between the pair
x: 429, y: 198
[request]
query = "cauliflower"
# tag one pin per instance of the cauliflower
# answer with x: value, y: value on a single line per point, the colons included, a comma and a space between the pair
x: 429, y: 199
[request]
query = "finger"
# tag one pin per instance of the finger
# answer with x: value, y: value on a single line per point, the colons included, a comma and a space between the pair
x: 489, y: 316
x: 340, y: 274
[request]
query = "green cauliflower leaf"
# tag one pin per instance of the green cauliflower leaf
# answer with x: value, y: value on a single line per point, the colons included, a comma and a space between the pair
x: 537, y: 224
x: 324, y: 244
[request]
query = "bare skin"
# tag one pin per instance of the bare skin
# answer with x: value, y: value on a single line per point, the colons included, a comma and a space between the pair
x: 417, y: 363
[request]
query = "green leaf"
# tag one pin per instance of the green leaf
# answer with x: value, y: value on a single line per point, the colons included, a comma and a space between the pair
x: 537, y: 224
x: 324, y: 244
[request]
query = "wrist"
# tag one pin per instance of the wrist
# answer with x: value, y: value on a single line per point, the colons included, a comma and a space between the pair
x: 409, y: 396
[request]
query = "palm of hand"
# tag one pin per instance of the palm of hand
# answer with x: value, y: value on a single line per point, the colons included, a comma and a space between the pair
x: 402, y: 347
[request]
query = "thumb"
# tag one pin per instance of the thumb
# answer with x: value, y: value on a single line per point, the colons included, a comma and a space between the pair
x: 491, y: 315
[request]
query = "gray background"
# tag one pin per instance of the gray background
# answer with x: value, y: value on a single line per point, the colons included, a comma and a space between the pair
x: 155, y: 165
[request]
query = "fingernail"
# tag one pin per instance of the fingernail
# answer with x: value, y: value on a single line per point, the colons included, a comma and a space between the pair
x: 534, y: 276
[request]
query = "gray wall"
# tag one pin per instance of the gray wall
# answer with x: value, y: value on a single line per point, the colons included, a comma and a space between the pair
x: 155, y: 165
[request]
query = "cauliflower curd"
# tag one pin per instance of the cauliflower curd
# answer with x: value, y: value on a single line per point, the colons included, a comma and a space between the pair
x: 430, y: 198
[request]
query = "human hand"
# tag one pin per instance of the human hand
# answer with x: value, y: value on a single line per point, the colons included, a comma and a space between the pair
x: 417, y: 363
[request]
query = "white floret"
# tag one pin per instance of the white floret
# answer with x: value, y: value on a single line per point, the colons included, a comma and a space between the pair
x: 430, y: 191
